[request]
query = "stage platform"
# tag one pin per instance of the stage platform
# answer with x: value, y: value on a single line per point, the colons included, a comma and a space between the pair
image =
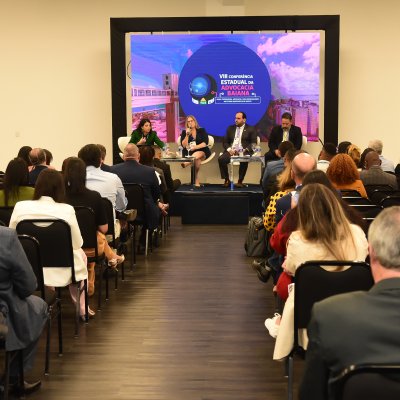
x: 214, y: 204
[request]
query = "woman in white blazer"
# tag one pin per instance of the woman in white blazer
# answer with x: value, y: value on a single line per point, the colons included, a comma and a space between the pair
x: 48, y: 202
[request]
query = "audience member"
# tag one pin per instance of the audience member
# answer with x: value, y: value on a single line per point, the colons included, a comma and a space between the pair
x: 282, y: 133
x: 25, y: 314
x: 15, y: 184
x: 24, y: 154
x: 77, y: 194
x: 301, y: 164
x: 324, y: 233
x: 107, y: 184
x: 354, y: 152
x: 49, y: 202
x: 343, y: 174
x: 172, y: 184
x: 377, y: 145
x: 49, y: 158
x: 194, y: 141
x: 147, y: 158
x: 342, y: 147
x: 238, y: 138
x: 361, y: 164
x: 373, y: 174
x: 103, y: 152
x: 130, y: 171
x: 273, y: 168
x: 38, y: 160
x: 358, y: 327
x: 325, y: 156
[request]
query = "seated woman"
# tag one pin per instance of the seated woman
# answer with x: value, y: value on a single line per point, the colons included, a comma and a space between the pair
x: 147, y: 154
x: 343, y: 174
x: 194, y: 141
x: 77, y: 194
x: 15, y: 184
x: 49, y: 202
x: 144, y: 135
x: 324, y: 233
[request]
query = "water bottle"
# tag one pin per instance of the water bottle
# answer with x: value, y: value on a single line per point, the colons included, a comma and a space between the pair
x: 180, y: 150
x: 240, y: 151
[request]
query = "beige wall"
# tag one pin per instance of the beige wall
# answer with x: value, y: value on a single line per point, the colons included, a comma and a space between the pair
x: 55, y: 68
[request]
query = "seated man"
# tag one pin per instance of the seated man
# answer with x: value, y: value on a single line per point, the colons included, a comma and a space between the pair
x: 358, y: 327
x: 373, y: 174
x: 37, y: 158
x: 25, y: 314
x: 325, y: 156
x: 282, y: 133
x: 130, y: 171
x: 387, y: 165
x: 238, y: 136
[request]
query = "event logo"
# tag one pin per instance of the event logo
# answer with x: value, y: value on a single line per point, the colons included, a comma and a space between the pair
x: 227, y: 77
x: 203, y: 89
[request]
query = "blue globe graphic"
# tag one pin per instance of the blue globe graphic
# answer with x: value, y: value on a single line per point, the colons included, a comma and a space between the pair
x: 200, y: 86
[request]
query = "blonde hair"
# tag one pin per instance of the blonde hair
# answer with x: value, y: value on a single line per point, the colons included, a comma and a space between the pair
x: 194, y: 119
x: 321, y: 219
x: 284, y: 179
x: 355, y: 153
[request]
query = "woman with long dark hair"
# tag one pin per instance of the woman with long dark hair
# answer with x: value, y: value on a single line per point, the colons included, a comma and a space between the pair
x: 144, y: 135
x: 15, y: 184
x: 77, y: 194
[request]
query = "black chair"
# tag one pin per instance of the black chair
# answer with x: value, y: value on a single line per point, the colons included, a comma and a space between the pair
x: 367, y: 382
x: 371, y: 189
x: 136, y: 200
x: 377, y: 195
x: 116, y: 243
x: 390, y: 201
x: 314, y: 283
x: 87, y: 225
x: 357, y: 200
x: 9, y: 357
x: 56, y: 251
x: 32, y: 250
x: 350, y: 193
x: 367, y: 210
x: 5, y: 214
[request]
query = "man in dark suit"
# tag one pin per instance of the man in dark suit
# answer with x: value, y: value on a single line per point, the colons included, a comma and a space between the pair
x: 238, y: 137
x: 283, y: 133
x: 358, y: 327
x: 130, y: 171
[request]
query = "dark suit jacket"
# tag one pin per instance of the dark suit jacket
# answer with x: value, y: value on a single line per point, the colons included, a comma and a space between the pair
x: 276, y: 136
x: 249, y: 136
x: 352, y: 328
x: 132, y: 172
x: 375, y: 176
x: 25, y: 314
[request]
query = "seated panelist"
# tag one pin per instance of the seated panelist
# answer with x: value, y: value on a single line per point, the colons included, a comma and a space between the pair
x: 194, y: 141
x: 144, y: 135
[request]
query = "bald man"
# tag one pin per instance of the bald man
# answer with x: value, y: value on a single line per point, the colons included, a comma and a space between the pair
x: 130, y: 171
x: 37, y: 158
x: 373, y: 173
x: 301, y: 164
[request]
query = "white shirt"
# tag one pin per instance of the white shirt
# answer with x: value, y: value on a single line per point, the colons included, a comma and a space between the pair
x: 323, y: 165
x: 45, y: 208
x: 386, y: 165
x: 109, y: 185
x: 237, y: 141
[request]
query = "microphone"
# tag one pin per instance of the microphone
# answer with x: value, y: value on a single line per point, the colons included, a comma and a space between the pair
x: 321, y: 141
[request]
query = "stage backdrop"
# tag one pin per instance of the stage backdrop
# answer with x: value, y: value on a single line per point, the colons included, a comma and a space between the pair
x: 213, y: 76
